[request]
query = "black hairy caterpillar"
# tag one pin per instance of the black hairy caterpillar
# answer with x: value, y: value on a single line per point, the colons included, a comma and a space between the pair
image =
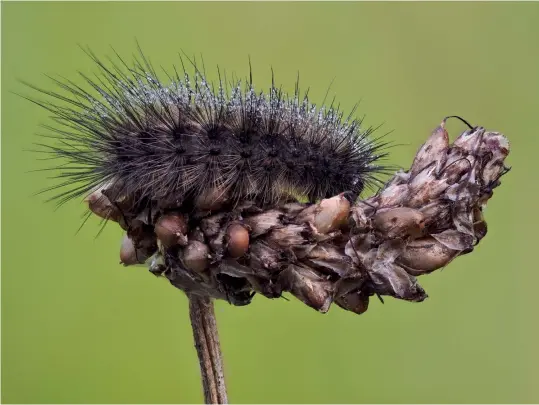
x: 168, y: 145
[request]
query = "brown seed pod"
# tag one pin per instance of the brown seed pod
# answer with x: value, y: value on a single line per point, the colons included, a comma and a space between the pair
x: 399, y: 222
x: 171, y: 230
x: 331, y: 214
x: 130, y: 255
x: 237, y: 237
x: 425, y: 255
x: 195, y: 256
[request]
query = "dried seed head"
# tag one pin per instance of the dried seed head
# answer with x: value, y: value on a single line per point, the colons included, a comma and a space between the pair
x: 237, y: 237
x: 171, y: 230
x: 329, y: 251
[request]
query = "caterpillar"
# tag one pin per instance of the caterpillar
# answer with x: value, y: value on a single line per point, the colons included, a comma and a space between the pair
x: 171, y: 143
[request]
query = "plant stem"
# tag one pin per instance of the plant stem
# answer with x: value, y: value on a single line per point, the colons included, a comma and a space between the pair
x: 206, y: 338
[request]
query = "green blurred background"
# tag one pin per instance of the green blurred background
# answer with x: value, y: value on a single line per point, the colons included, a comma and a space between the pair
x: 79, y: 328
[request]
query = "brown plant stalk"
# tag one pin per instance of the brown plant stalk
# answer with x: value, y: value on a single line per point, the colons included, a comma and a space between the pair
x: 206, y: 337
x: 334, y: 251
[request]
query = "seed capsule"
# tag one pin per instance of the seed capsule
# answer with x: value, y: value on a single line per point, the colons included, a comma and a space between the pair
x: 171, y: 229
x: 399, y: 222
x: 237, y: 240
x: 328, y: 215
x: 129, y: 255
x: 425, y: 255
x: 195, y: 256
x: 331, y: 214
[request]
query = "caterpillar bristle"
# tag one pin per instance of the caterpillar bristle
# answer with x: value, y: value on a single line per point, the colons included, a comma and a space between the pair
x: 179, y: 142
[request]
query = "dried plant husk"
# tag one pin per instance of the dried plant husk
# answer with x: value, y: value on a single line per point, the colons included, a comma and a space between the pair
x: 331, y: 251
